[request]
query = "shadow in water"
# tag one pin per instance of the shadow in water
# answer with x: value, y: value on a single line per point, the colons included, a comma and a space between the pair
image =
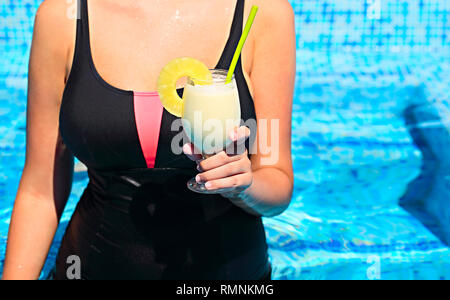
x: 426, y: 197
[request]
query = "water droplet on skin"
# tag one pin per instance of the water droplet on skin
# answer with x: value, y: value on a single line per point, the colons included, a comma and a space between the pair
x: 177, y: 15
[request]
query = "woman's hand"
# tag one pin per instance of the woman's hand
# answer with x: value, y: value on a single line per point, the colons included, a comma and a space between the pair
x: 229, y: 171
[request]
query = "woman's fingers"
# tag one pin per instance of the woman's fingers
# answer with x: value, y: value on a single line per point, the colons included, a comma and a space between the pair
x: 240, y: 135
x: 233, y: 153
x: 218, y: 160
x: 240, y: 181
x: 191, y: 152
x: 225, y: 171
x: 230, y: 169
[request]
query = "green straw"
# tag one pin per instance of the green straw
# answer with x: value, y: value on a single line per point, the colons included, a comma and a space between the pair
x: 244, y: 36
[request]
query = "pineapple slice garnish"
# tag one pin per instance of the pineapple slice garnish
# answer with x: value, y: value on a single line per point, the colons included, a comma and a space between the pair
x: 171, y: 73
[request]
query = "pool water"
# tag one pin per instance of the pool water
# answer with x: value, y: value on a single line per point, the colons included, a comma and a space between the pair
x: 370, y: 134
x: 355, y: 161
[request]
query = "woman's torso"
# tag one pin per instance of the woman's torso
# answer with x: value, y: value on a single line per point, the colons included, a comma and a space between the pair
x: 136, y: 218
x: 123, y: 35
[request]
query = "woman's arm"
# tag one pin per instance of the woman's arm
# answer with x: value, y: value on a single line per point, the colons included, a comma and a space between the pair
x: 47, y: 176
x: 263, y: 186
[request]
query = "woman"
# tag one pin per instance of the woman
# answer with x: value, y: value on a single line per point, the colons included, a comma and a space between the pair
x: 136, y: 221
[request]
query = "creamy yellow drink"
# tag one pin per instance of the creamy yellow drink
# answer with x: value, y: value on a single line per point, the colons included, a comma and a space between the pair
x: 210, y: 112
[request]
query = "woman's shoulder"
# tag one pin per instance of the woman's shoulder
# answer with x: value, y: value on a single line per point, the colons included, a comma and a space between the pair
x: 55, y: 20
x: 274, y: 16
x: 55, y: 29
x: 57, y: 10
x: 271, y: 10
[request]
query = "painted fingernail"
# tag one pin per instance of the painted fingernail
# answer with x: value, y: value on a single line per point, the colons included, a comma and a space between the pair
x: 233, y: 135
x: 198, y: 168
x: 208, y: 185
x: 187, y: 149
x: 198, y: 178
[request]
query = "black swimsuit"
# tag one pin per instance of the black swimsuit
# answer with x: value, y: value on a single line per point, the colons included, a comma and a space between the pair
x: 136, y: 218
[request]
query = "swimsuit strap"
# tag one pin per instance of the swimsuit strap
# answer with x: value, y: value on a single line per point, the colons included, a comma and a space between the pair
x: 233, y: 40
